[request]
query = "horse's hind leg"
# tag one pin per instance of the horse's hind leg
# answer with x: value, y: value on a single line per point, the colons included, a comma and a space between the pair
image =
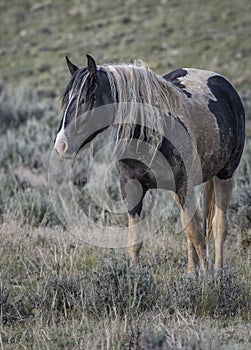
x: 196, y: 241
x: 223, y: 192
x: 196, y: 248
x: 192, y: 257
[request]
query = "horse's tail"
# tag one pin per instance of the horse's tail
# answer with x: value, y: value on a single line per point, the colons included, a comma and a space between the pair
x: 209, y: 209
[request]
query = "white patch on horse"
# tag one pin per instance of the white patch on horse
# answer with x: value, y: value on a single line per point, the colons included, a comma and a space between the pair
x: 196, y: 115
x: 195, y: 79
x: 71, y: 97
x: 61, y: 134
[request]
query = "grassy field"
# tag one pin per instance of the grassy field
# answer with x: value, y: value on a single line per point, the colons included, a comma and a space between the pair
x: 57, y: 292
x: 35, y: 37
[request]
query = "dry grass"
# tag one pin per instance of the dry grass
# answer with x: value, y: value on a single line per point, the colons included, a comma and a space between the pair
x: 57, y: 292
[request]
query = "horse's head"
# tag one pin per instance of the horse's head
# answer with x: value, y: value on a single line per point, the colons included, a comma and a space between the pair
x: 87, y: 107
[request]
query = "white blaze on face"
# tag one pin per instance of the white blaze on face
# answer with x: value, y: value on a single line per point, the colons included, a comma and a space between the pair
x: 61, y: 144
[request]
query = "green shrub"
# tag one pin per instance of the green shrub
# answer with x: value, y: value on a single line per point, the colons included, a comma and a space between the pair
x: 34, y: 208
x: 219, y: 295
x: 17, y: 105
x: 20, y: 104
x: 27, y: 205
x: 240, y: 209
x: 115, y: 288
x: 29, y: 145
x: 8, y: 187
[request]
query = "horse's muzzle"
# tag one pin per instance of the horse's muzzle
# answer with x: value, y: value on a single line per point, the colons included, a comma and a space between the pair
x: 61, y: 144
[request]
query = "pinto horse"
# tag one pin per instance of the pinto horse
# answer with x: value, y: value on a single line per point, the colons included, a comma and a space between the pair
x: 195, y: 121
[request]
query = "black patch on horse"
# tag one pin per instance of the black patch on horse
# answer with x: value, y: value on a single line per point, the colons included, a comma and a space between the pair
x: 174, y: 76
x: 135, y: 169
x: 229, y: 112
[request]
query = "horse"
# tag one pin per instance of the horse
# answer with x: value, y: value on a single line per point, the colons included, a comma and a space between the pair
x: 193, y: 118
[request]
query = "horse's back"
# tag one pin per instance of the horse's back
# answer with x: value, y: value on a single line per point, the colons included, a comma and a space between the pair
x: 216, y: 117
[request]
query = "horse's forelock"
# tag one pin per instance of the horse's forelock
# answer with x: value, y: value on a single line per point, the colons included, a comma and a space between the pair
x: 75, y: 83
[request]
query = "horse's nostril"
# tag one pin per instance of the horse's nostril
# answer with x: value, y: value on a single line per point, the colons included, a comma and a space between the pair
x: 63, y: 146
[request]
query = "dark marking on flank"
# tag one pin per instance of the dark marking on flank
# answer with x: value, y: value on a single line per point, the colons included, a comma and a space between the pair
x: 174, y: 76
x: 229, y: 113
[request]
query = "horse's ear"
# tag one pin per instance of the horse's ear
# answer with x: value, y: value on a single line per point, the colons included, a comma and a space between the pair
x: 91, y: 64
x: 71, y: 66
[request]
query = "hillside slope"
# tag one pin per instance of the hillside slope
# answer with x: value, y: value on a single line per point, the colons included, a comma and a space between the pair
x: 35, y: 37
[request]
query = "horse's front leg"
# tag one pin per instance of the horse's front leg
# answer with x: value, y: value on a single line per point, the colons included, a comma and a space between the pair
x: 135, y: 237
x: 223, y: 191
x: 133, y: 194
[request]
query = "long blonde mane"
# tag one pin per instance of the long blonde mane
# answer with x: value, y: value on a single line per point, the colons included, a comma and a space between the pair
x: 144, y: 99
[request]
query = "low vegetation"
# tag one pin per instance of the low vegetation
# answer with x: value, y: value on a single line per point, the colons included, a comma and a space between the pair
x: 58, y: 292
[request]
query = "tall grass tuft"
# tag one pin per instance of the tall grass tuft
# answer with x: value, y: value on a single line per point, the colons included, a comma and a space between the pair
x: 213, y: 295
x: 115, y: 288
